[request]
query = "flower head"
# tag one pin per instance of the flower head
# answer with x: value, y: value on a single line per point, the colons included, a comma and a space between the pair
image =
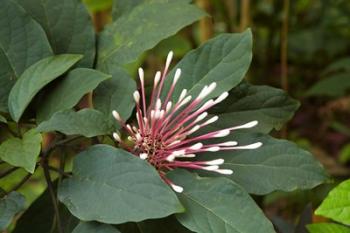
x: 164, y: 132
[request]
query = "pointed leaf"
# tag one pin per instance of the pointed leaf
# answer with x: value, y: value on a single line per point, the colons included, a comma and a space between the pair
x: 224, y: 60
x: 126, y: 38
x: 3, y: 119
x: 327, y: 228
x: 94, y: 227
x: 69, y: 91
x: 22, y: 152
x: 110, y: 185
x: 337, y: 204
x: 22, y: 43
x: 218, y: 205
x: 35, y: 78
x: 67, y: 24
x: 9, y: 206
x: 86, y: 122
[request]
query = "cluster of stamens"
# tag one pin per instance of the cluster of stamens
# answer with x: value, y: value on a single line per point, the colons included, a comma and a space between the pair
x: 164, y: 132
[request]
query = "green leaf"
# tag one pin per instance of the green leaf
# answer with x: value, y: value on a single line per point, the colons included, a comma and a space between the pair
x: 94, y: 227
x: 126, y: 38
x: 271, y: 107
x: 276, y: 165
x: 168, y: 225
x: 340, y: 65
x: 9, y: 206
x: 115, y: 94
x: 23, y: 47
x: 40, y: 217
x: 22, y: 152
x: 87, y: 122
x: 224, y: 60
x: 217, y: 205
x: 327, y: 228
x: 3, y: 119
x: 334, y: 86
x: 337, y: 204
x: 67, y: 93
x: 110, y: 185
x: 35, y: 78
x: 98, y: 5
x: 67, y: 24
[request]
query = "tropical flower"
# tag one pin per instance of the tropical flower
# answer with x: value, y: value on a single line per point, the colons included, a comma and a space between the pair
x: 163, y: 134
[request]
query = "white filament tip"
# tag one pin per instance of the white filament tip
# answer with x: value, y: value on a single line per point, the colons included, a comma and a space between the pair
x: 246, y: 126
x: 182, y: 95
x: 177, y: 188
x: 221, y: 97
x: 222, y: 133
x: 170, y: 158
x: 213, y: 149
x: 215, y: 162
x: 196, y: 146
x: 211, y: 120
x: 168, y: 59
x: 194, y: 129
x: 158, y: 104
x: 201, y: 116
x: 229, y: 143
x: 251, y: 146
x: 141, y: 75
x: 211, y: 168
x: 177, y: 76
x: 189, y: 155
x: 116, y: 115
x: 168, y: 106
x: 137, y: 96
x: 143, y: 156
x: 157, y: 78
x: 224, y: 171
x: 117, y: 137
x: 185, y: 101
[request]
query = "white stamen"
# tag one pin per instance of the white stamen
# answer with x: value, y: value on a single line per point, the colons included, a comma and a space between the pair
x: 215, y: 162
x: 188, y: 156
x: 137, y: 96
x: 170, y: 158
x: 178, y: 152
x: 117, y: 137
x: 211, y: 120
x: 201, y: 116
x: 135, y: 129
x: 221, y: 97
x: 213, y: 149
x: 168, y: 106
x: 224, y: 171
x: 211, y: 168
x: 128, y: 127
x: 206, y: 105
x: 196, y: 146
x: 161, y: 115
x: 130, y: 138
x: 138, y: 137
x: 182, y: 95
x: 248, y: 147
x: 141, y: 75
x: 116, y: 115
x: 210, y: 89
x: 152, y: 114
x: 202, y: 93
x: 157, y: 78
x: 177, y: 188
x: 143, y: 156
x: 158, y: 104
x: 194, y: 129
x: 168, y: 59
x: 177, y: 76
x: 229, y: 143
x: 222, y: 133
x: 185, y: 101
x: 246, y: 126
x: 174, y: 142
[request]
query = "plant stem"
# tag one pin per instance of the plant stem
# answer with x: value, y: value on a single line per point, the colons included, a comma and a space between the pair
x: 8, y: 172
x: 15, y: 188
x: 245, y: 15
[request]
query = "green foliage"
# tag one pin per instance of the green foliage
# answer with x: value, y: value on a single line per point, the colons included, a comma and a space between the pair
x: 3, y: 119
x: 137, y: 191
x: 337, y: 204
x: 22, y: 152
x: 69, y: 91
x: 10, y: 205
x: 93, y: 227
x: 327, y: 228
x: 204, y: 199
x: 35, y: 78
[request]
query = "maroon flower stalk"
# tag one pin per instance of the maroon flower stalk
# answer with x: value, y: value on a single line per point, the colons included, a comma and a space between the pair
x: 164, y: 128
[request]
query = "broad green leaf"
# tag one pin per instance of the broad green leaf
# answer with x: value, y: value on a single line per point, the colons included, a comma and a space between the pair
x: 67, y: 93
x: 87, y: 122
x: 115, y: 94
x: 334, y: 86
x: 94, y: 227
x: 110, y: 185
x: 337, y: 204
x: 342, y: 64
x: 327, y: 228
x: 3, y: 119
x: 276, y: 165
x: 40, y: 217
x: 22, y: 152
x: 168, y: 225
x: 224, y: 60
x: 146, y: 25
x: 22, y: 43
x: 35, y: 78
x: 271, y: 107
x: 10, y: 205
x: 218, y: 205
x: 67, y: 24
